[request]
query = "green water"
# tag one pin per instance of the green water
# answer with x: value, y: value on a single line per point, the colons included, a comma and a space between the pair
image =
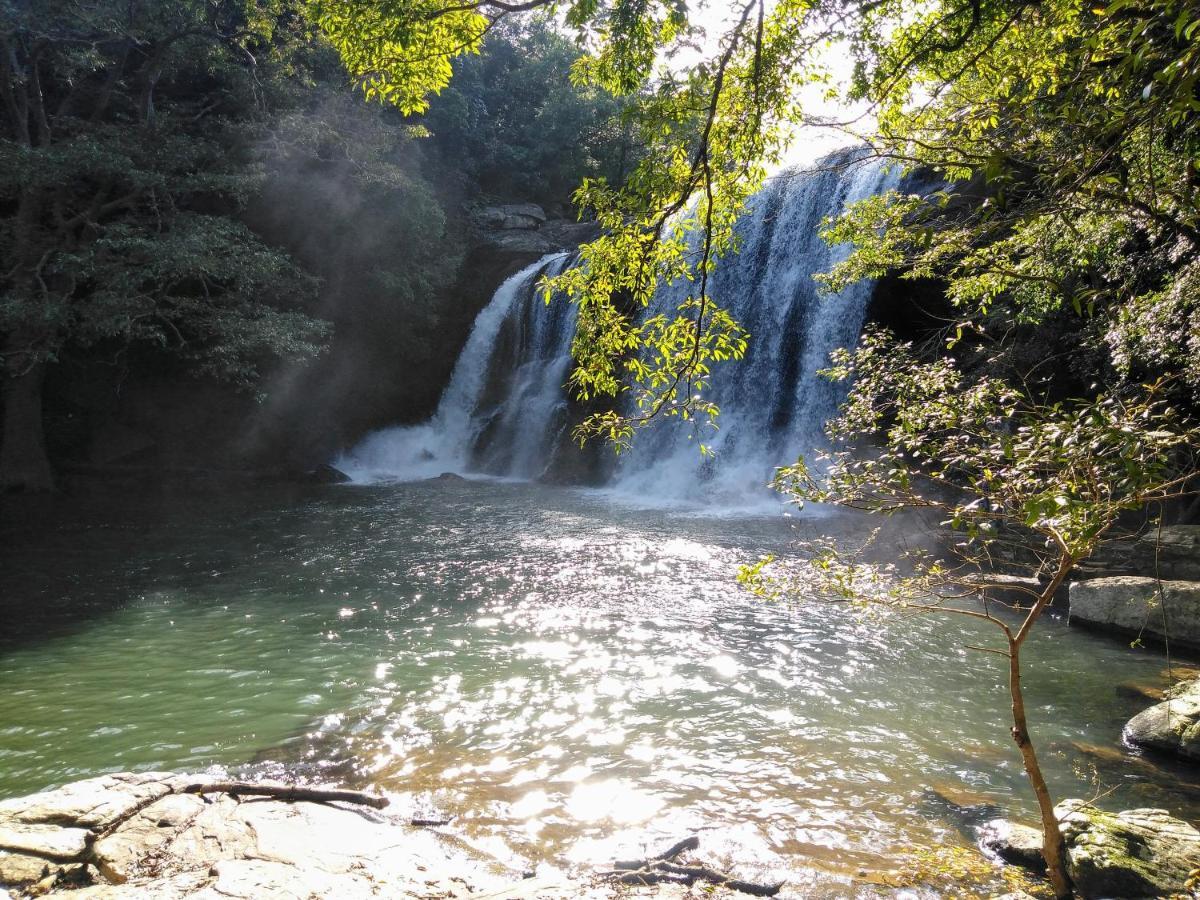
x: 570, y: 678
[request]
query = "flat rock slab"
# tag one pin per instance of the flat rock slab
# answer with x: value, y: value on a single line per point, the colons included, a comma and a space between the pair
x: 1134, y: 605
x: 1172, y: 726
x: 96, y: 803
x: 141, y: 836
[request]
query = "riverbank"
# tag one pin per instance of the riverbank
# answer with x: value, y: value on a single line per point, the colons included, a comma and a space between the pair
x: 177, y: 836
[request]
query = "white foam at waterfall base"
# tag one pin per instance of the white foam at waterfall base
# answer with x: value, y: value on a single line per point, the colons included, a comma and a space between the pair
x: 444, y: 442
x: 506, y: 412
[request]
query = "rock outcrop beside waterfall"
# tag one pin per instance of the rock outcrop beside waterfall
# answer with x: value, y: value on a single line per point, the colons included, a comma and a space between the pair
x: 1140, y: 607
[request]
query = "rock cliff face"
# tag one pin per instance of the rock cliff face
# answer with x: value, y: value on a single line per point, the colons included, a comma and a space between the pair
x: 1149, y: 587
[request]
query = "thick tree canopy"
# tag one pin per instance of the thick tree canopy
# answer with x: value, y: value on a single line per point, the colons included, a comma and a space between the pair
x: 1065, y: 132
x: 196, y: 187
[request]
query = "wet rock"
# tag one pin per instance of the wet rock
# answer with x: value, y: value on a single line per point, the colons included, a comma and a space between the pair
x: 1176, y: 673
x: 1135, y: 853
x: 1172, y: 726
x: 1135, y: 606
x: 967, y: 809
x: 1017, y: 844
x: 327, y: 474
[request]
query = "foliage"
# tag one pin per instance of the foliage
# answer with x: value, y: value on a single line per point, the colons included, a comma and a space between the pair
x: 400, y: 52
x: 516, y: 126
x: 1023, y: 485
x: 125, y: 149
x: 344, y: 192
x: 707, y: 132
x: 1062, y: 471
x: 1067, y: 136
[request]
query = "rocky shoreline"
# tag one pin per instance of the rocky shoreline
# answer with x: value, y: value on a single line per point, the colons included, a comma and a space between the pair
x: 168, y: 836
x: 172, y: 836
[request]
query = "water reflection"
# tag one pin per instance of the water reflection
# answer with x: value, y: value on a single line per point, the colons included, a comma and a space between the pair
x: 568, y: 679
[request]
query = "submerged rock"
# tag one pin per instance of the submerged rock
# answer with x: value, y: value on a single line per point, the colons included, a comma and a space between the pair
x: 1135, y: 606
x: 1172, y: 726
x: 1135, y: 853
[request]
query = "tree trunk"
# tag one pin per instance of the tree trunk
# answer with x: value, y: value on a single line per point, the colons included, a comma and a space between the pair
x: 23, y: 461
x: 1053, y: 847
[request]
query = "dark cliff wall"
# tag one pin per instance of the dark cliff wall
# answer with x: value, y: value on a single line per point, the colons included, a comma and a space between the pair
x: 135, y: 409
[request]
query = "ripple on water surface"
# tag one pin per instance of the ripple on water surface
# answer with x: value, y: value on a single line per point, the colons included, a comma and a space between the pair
x: 569, y: 678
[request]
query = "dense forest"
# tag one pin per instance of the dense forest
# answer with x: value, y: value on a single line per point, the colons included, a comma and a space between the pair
x: 197, y: 194
x: 240, y: 235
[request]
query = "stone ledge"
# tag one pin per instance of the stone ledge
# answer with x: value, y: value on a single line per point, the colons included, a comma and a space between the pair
x: 1132, y: 605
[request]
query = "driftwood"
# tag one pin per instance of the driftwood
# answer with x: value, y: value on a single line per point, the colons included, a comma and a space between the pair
x: 286, y: 792
x: 662, y: 869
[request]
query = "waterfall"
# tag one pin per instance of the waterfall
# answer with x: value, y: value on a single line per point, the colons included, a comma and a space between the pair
x: 505, y: 410
x: 773, y: 403
x: 504, y: 397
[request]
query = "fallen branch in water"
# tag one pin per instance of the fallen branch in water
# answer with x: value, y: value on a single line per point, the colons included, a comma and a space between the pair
x: 286, y: 792
x: 662, y: 869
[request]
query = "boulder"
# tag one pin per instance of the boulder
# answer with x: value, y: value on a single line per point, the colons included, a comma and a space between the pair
x: 20, y: 869
x: 1135, y: 853
x: 1133, y: 605
x: 1138, y: 853
x: 1172, y: 726
x: 1019, y: 845
x: 327, y: 474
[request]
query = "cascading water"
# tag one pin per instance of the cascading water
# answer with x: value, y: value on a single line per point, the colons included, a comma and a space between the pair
x: 505, y: 396
x: 505, y: 411
x: 773, y: 403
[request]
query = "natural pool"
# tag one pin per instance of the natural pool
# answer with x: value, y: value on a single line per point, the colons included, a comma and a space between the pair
x: 566, y: 676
